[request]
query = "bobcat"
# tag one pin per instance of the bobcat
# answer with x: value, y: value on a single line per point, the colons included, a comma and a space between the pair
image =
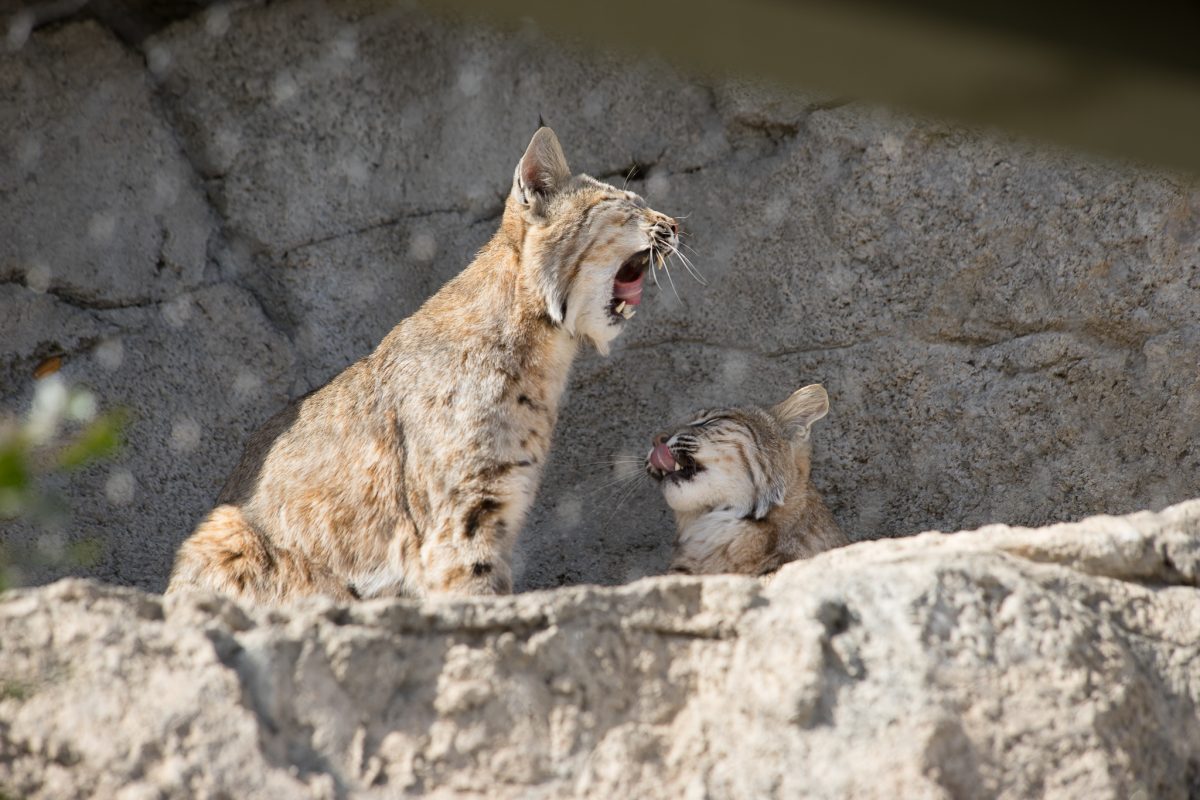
x: 412, y: 471
x: 738, y: 482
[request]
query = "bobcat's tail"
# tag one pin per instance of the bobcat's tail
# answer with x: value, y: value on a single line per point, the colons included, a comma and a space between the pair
x: 228, y: 556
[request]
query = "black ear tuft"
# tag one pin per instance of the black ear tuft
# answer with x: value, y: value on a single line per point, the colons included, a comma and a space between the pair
x: 541, y: 122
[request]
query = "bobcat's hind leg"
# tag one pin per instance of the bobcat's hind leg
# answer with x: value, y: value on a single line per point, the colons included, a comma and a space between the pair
x: 228, y: 556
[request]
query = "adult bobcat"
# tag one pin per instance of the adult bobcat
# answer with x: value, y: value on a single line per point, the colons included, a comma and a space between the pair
x: 738, y: 482
x: 412, y: 471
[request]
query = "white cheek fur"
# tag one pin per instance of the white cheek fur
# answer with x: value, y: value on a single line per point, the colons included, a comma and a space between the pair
x: 591, y: 294
x: 587, y: 310
x: 717, y: 486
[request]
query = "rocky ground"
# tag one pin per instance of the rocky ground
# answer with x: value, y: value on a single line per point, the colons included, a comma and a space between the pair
x: 208, y: 217
x: 1003, y: 662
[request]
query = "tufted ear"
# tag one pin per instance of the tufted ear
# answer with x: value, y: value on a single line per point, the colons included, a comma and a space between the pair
x: 802, y: 409
x: 541, y: 171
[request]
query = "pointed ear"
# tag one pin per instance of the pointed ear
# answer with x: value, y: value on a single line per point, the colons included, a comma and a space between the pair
x: 541, y: 171
x: 802, y: 409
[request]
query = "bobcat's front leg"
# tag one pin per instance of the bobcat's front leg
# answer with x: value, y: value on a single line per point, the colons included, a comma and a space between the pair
x: 471, y: 556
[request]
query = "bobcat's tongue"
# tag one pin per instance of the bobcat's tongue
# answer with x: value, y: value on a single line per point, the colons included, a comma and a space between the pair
x: 661, y: 457
x: 629, y: 291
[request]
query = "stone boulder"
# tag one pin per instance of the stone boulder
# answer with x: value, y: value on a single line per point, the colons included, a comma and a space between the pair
x: 244, y: 202
x: 1002, y: 662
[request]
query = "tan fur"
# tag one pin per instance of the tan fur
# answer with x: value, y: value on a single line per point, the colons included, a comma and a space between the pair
x: 740, y: 488
x: 412, y: 471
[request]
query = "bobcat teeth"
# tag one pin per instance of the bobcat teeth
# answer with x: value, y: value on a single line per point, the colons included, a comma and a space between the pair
x: 628, y: 312
x: 620, y: 309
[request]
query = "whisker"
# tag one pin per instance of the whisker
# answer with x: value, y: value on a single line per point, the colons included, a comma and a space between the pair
x: 672, y: 280
x: 628, y: 175
x: 620, y: 502
x: 687, y: 264
x: 620, y: 479
x: 609, y: 463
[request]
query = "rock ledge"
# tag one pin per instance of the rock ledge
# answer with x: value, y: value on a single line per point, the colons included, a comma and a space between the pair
x: 1062, y: 661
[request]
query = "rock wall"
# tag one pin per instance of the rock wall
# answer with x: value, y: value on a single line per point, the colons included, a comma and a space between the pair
x: 221, y: 216
x: 1005, y: 662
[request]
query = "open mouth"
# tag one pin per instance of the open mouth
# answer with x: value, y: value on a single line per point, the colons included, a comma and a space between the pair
x: 663, y: 462
x: 627, y: 286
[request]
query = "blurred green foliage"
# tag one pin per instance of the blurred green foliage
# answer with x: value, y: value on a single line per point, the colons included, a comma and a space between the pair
x: 62, y: 432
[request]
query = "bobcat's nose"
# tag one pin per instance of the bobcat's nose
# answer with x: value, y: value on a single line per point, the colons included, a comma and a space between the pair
x: 666, y: 228
x: 660, y: 439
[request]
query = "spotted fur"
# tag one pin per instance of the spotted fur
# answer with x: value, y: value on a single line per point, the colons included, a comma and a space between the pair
x: 412, y: 471
x: 738, y: 482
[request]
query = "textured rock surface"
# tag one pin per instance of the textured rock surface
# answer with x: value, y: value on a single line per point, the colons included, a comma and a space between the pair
x: 1007, y: 334
x: 100, y: 207
x: 1004, y: 662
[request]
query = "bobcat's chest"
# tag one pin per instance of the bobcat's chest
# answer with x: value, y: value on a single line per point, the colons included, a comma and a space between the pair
x: 701, y: 537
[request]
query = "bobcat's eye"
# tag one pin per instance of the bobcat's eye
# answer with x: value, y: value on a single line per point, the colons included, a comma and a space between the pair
x: 704, y: 423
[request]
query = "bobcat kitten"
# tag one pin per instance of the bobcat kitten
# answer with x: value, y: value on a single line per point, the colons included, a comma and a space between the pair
x: 412, y: 471
x: 738, y: 482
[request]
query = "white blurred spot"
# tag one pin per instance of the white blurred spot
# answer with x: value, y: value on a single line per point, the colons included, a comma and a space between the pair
x: 110, y: 353
x: 166, y: 188
x: 19, y: 27
x: 345, y: 44
x: 284, y: 88
x: 12, y: 502
x: 50, y: 399
x: 246, y: 385
x: 422, y: 246
x: 733, y: 370
x: 713, y: 142
x: 178, y: 311
x: 102, y: 226
x: 216, y: 20
x: 82, y: 406
x: 775, y: 210
x: 226, y: 146
x: 37, y: 277
x: 658, y: 186
x: 29, y: 152
x: 528, y: 30
x: 50, y: 547
x: 120, y: 486
x: 411, y: 117
x: 593, y: 104
x: 568, y: 513
x: 628, y: 465
x: 519, y: 565
x: 356, y: 170
x: 635, y: 572
x: 363, y: 288
x: 158, y: 59
x: 185, y: 435
x: 478, y: 196
x: 892, y: 146
x: 470, y: 80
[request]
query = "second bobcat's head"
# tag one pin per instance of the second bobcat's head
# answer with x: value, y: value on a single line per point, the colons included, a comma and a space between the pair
x: 589, y: 244
x: 744, y: 458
